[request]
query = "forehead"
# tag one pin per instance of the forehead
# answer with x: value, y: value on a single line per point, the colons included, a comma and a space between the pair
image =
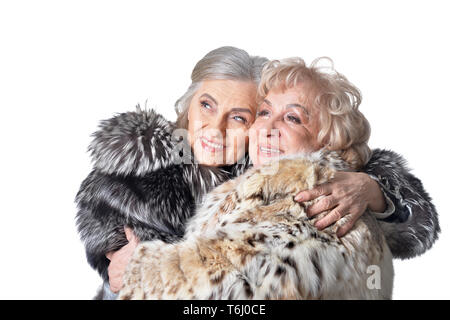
x: 295, y: 94
x: 229, y: 91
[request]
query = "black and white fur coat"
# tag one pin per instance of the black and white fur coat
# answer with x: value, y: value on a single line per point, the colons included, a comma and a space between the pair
x: 140, y: 175
x: 142, y: 172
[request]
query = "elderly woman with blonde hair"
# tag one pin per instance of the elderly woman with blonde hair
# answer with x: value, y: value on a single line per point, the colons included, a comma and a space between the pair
x: 327, y: 115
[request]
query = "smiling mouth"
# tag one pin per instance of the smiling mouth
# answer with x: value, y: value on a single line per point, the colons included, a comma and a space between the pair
x: 268, y: 151
x: 211, y: 146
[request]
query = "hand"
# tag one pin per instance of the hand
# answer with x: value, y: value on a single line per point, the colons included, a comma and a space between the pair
x: 119, y: 261
x: 347, y: 194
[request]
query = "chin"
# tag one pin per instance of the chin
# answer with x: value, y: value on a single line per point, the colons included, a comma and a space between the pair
x: 256, y: 163
x: 206, y: 160
x: 211, y: 164
x: 264, y: 160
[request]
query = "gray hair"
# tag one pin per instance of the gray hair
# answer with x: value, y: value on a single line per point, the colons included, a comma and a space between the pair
x: 224, y: 63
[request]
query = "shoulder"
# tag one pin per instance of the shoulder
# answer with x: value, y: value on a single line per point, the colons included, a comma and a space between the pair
x: 135, y: 142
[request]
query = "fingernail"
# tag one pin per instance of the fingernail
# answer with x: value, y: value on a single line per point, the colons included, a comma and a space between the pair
x: 298, y: 198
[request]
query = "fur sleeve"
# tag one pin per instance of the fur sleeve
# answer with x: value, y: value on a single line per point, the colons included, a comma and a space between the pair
x: 413, y: 227
x: 130, y: 144
x: 107, y: 203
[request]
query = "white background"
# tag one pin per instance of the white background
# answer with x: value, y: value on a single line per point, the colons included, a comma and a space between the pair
x: 64, y: 65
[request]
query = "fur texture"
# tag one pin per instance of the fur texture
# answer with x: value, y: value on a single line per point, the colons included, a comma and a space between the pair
x: 138, y: 178
x: 251, y: 240
x: 414, y: 227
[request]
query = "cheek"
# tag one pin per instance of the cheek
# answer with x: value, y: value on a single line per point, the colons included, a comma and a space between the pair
x: 196, y: 121
x: 299, y: 141
x: 257, y: 131
x: 192, y: 117
x: 252, y: 142
x: 292, y: 141
x: 190, y: 134
x: 237, y: 141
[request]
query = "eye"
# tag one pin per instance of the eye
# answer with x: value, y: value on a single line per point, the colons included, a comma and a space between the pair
x: 206, y: 105
x: 240, y: 119
x: 293, y: 119
x: 262, y: 113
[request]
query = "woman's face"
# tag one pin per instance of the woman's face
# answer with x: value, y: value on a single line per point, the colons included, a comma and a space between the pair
x: 220, y: 114
x: 285, y: 124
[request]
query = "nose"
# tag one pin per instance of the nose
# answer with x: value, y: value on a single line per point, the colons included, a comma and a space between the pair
x: 271, y: 127
x: 217, y: 127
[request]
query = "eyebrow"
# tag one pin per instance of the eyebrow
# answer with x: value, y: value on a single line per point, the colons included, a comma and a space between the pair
x: 205, y: 95
x: 268, y: 102
x: 291, y: 105
x: 296, y: 105
x: 242, y: 110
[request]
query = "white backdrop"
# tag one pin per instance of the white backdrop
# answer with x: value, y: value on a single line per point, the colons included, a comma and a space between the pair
x: 64, y: 65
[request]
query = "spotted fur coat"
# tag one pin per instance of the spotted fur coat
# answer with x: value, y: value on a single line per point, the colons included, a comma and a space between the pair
x: 139, y: 176
x: 251, y: 240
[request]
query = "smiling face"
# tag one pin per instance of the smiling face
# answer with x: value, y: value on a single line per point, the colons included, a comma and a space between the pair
x: 220, y: 114
x: 285, y: 124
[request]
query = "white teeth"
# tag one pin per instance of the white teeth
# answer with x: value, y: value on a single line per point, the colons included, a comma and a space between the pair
x: 212, y: 144
x: 267, y: 150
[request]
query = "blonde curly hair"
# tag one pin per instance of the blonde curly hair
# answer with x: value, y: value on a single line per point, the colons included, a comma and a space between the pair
x: 342, y: 126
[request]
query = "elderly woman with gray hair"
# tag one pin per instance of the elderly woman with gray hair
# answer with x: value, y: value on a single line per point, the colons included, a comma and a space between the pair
x: 148, y: 178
